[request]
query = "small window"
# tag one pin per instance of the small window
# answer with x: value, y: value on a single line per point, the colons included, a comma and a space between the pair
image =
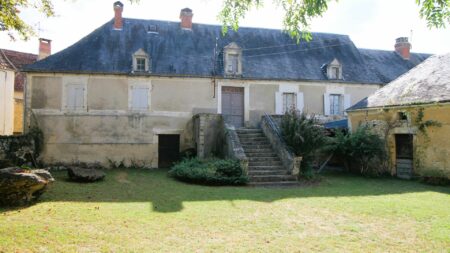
x: 335, y: 72
x: 141, y: 61
x: 75, y: 97
x: 335, y: 104
x: 139, y: 98
x: 152, y: 29
x: 233, y: 63
x: 289, y: 102
x: 140, y: 64
x: 402, y: 116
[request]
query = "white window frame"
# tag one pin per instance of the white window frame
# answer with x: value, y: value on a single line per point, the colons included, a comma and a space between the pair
x: 230, y: 50
x: 66, y: 89
x: 334, y: 70
x: 345, y: 103
x: 141, y: 54
x: 294, y: 95
x: 340, y: 106
x: 132, y: 87
x: 288, y: 88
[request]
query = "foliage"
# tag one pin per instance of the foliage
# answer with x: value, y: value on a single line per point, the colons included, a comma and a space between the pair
x: 423, y: 125
x: 361, y: 149
x: 304, y: 136
x: 299, y: 13
x: 211, y: 172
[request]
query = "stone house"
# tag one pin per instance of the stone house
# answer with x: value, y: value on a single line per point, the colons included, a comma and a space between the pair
x: 129, y: 90
x: 12, y: 82
x: 413, y: 114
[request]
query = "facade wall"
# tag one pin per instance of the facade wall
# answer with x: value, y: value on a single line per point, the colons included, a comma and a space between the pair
x: 6, y: 102
x: 431, y: 146
x: 108, y: 129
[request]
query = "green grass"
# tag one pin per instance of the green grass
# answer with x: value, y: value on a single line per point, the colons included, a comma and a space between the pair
x: 145, y: 211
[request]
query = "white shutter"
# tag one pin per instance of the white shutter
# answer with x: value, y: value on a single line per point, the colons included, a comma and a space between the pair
x: 139, y: 98
x: 347, y: 101
x: 278, y: 103
x: 326, y: 104
x: 300, y: 101
x: 79, y: 97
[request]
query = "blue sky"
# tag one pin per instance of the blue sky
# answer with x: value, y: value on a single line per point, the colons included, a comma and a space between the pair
x: 369, y: 23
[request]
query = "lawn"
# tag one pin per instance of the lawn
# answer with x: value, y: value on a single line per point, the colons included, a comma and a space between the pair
x: 145, y: 211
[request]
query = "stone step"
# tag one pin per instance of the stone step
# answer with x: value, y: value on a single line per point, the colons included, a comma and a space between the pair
x: 263, y: 159
x: 256, y: 145
x: 266, y: 172
x: 264, y: 163
x: 272, y: 178
x: 252, y: 139
x: 274, y: 184
x: 274, y: 168
x: 262, y: 154
x: 251, y: 149
x: 249, y: 130
x: 251, y: 135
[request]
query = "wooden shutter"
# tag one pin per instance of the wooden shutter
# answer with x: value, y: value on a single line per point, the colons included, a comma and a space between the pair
x: 139, y: 98
x: 300, y: 101
x: 347, y: 101
x: 278, y: 103
x: 326, y: 104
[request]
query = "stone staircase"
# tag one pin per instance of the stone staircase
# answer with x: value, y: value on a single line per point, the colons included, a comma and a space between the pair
x: 265, y: 167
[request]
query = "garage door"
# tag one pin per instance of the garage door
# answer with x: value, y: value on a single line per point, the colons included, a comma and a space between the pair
x: 233, y: 105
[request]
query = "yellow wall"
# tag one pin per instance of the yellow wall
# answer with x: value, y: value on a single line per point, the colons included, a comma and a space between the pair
x: 431, y: 146
x: 18, y: 112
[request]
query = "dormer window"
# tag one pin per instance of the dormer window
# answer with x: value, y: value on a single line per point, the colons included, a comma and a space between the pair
x: 232, y: 59
x: 141, y: 61
x: 334, y: 70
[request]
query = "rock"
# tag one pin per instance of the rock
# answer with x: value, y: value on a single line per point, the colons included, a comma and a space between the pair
x: 85, y: 175
x: 22, y: 186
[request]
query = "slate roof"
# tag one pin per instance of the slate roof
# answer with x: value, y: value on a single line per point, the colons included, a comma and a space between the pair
x: 428, y: 82
x: 14, y: 60
x: 267, y: 53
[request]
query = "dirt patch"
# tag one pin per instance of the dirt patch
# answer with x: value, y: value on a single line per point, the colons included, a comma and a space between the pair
x: 122, y: 177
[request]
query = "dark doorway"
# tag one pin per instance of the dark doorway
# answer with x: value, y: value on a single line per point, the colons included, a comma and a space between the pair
x: 168, y: 149
x: 404, y: 155
x: 233, y: 105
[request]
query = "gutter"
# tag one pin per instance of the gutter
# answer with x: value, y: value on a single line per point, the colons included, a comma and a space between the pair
x: 426, y: 104
x: 197, y: 76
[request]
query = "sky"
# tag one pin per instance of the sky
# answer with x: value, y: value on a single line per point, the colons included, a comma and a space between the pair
x: 370, y: 23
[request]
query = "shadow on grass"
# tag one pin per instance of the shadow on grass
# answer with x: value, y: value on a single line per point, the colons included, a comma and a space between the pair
x: 167, y: 195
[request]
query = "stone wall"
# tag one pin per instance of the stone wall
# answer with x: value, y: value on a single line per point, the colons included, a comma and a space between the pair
x: 17, y: 150
x: 209, y: 135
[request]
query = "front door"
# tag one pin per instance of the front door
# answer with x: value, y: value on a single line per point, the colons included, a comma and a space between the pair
x: 404, y: 155
x: 168, y: 149
x: 233, y: 105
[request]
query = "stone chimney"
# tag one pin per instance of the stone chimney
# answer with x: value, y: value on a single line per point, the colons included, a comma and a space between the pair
x: 403, y: 47
x: 186, y: 18
x: 118, y: 21
x: 45, y: 48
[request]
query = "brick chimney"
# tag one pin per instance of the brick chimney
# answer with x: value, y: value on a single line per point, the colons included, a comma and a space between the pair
x: 118, y: 21
x: 403, y: 47
x: 186, y: 18
x: 45, y: 48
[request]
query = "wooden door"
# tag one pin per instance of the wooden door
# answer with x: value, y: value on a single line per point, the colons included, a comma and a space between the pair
x: 168, y: 150
x: 233, y: 105
x: 404, y: 155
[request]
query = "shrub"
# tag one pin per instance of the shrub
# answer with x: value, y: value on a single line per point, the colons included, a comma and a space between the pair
x: 211, y: 172
x: 362, y: 150
x: 304, y: 136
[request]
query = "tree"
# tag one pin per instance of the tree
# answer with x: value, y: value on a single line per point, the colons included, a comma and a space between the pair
x: 296, y: 21
x: 299, y: 13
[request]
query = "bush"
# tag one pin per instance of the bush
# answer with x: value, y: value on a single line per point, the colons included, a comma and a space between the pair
x: 362, y: 150
x: 211, y: 172
x: 304, y: 136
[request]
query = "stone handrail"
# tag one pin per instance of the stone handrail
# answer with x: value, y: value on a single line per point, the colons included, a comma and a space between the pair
x: 286, y: 154
x: 233, y: 147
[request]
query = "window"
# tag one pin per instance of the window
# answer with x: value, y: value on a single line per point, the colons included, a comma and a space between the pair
x: 333, y: 69
x: 75, y: 97
x: 232, y: 59
x: 233, y: 63
x: 289, y: 102
x: 140, y: 64
x: 139, y: 98
x: 335, y: 104
x: 141, y: 61
x: 334, y: 72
